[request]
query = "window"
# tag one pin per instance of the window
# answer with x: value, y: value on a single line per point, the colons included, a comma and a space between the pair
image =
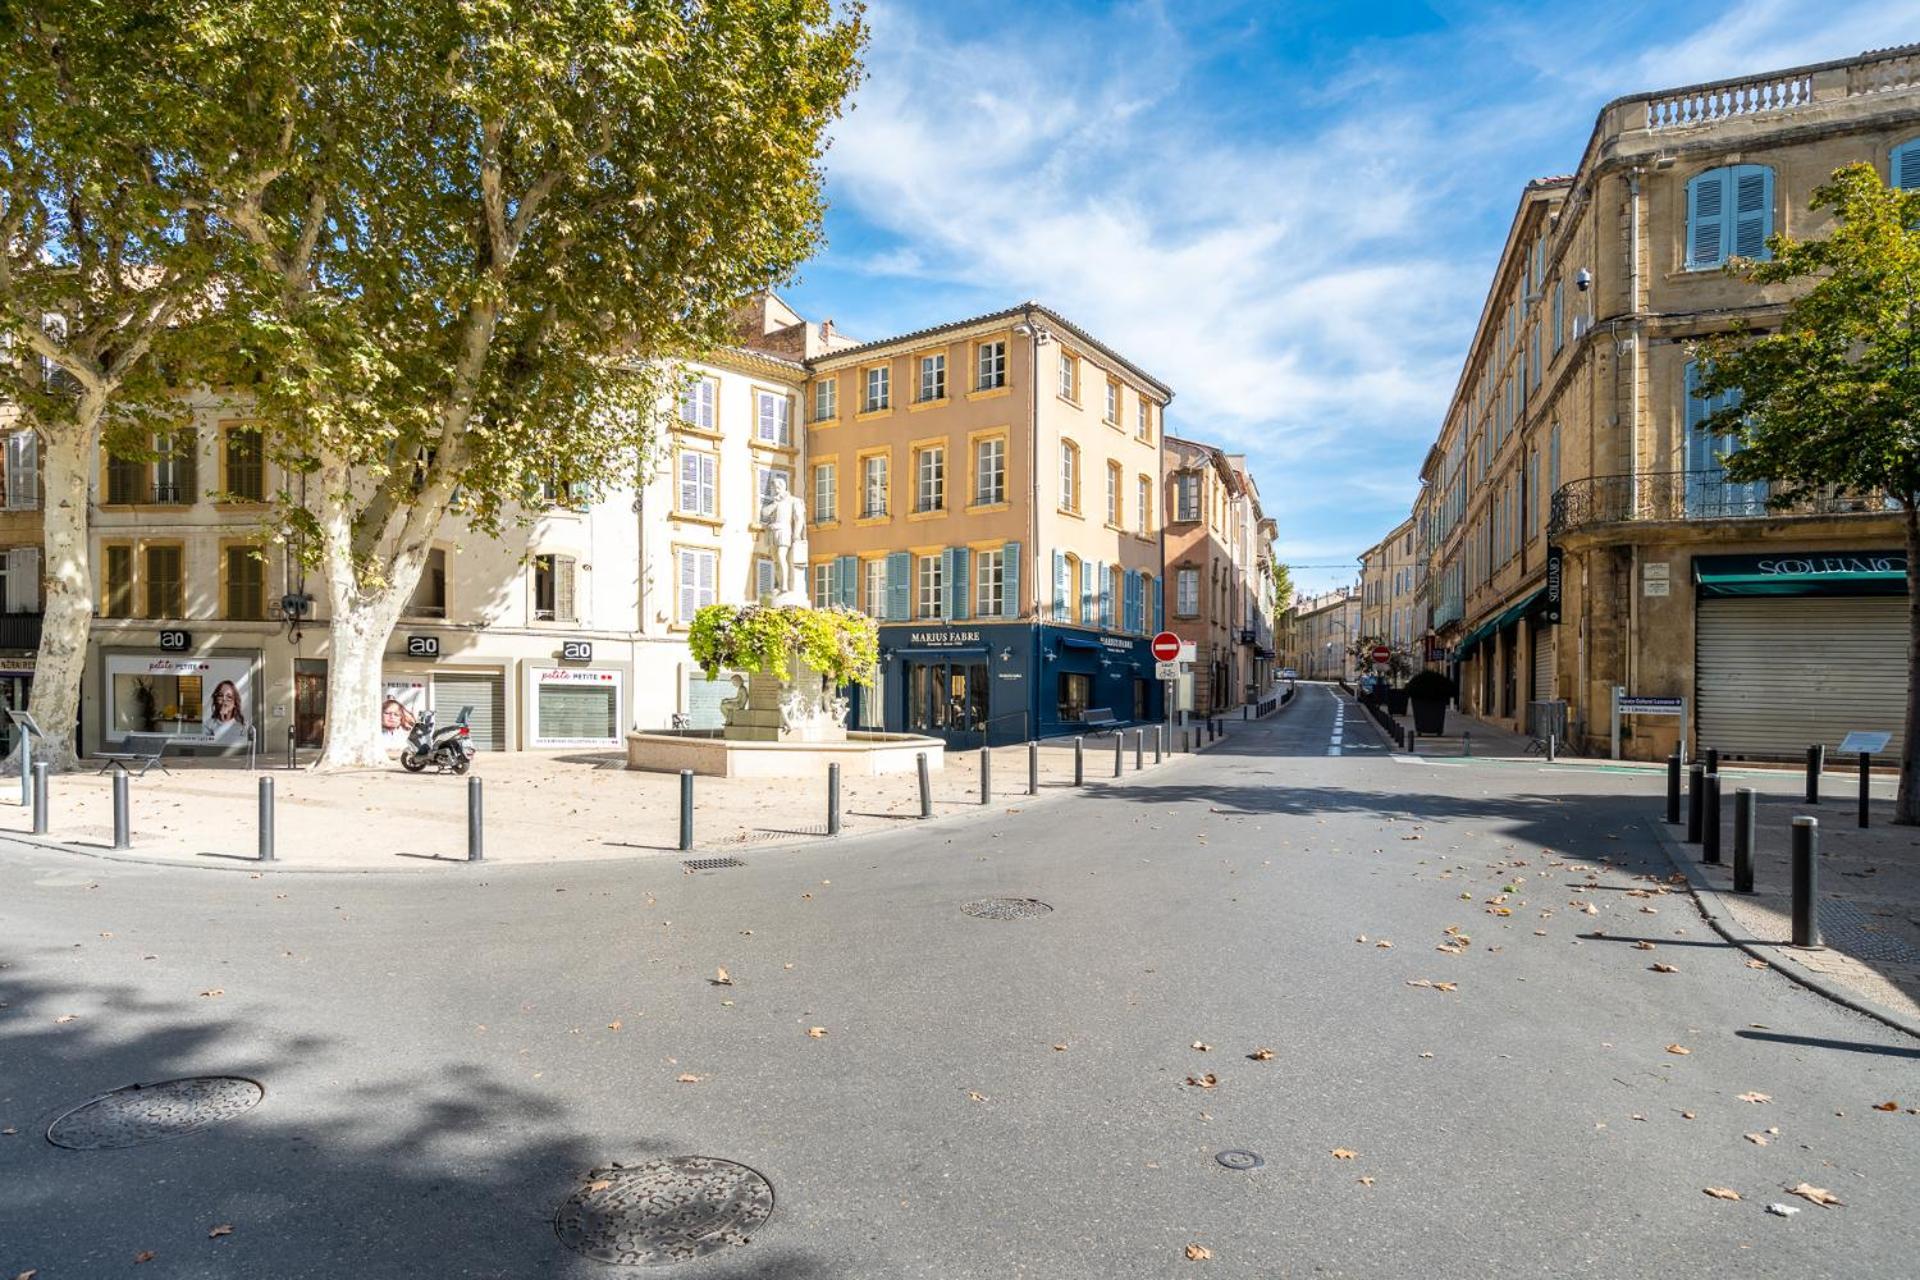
x: 826, y: 493
x: 1069, y: 376
x: 1186, y: 596
x: 824, y: 394
x: 772, y: 418
x: 823, y: 585
x: 989, y: 568
x: 1142, y: 420
x: 430, y: 593
x: 553, y: 589
x: 873, y: 486
x: 1113, y: 402
x: 20, y: 579
x: 1113, y: 494
x: 1710, y: 494
x: 932, y: 588
x: 990, y: 366
x: 1143, y: 510
x: 697, y: 492
x: 23, y: 471
x: 244, y: 455
x: 990, y: 471
x: 874, y: 602
x: 126, y: 481
x: 246, y: 584
x: 1069, y: 476
x: 1903, y: 165
x: 1076, y: 691
x: 696, y: 404
x: 879, y: 379
x: 1559, y: 315
x: 1729, y: 214
x: 699, y: 573
x: 933, y: 377
x: 930, y: 478
x: 1067, y: 583
x: 163, y: 568
x: 1186, y: 496
x: 175, y: 469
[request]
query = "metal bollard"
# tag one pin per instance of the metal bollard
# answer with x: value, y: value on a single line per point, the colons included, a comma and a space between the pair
x: 1806, y: 881
x: 1696, y: 782
x: 1673, y: 788
x: 1119, y: 746
x: 1553, y: 748
x: 1866, y: 763
x: 1816, y: 764
x: 833, y: 799
x: 686, y: 808
x: 40, y: 798
x: 1710, y: 820
x: 121, y: 836
x: 1713, y: 760
x: 1079, y: 762
x: 1245, y: 708
x: 290, y: 750
x: 1159, y: 741
x: 476, y: 822
x: 986, y: 775
x: 1413, y: 742
x: 1466, y: 742
x: 266, y: 819
x: 926, y: 785
x: 1033, y: 768
x: 1186, y: 746
x: 1139, y: 749
x: 1746, y: 808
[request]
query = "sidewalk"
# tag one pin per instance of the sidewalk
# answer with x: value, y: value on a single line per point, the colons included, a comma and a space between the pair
x: 539, y: 808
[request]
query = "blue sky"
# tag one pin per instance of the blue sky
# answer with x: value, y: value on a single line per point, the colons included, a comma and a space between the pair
x: 1287, y: 212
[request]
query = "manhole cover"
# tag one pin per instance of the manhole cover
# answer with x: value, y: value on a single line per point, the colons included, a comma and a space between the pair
x: 710, y: 864
x: 664, y: 1211
x: 151, y: 1112
x: 1241, y: 1160
x: 1005, y: 908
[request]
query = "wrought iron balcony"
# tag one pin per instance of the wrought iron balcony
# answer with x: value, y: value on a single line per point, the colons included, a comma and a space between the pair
x: 1685, y: 495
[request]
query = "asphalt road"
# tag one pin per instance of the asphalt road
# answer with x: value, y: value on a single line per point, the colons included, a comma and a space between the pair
x: 446, y: 1057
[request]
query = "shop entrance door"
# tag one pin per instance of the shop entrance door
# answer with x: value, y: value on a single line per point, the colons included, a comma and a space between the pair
x: 310, y: 703
x: 947, y: 700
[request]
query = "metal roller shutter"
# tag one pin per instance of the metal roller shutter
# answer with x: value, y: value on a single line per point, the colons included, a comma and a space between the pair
x: 486, y: 694
x: 1543, y: 664
x: 1777, y: 675
x: 579, y: 713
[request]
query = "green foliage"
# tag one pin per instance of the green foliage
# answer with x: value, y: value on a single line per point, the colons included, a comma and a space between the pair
x: 1431, y: 686
x: 1282, y: 587
x: 841, y: 644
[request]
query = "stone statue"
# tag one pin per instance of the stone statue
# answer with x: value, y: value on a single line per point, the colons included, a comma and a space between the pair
x: 784, y: 542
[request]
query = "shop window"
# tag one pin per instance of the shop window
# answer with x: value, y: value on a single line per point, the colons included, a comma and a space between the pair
x: 430, y: 593
x: 245, y: 454
x: 553, y: 589
x: 245, y: 584
x: 1075, y: 692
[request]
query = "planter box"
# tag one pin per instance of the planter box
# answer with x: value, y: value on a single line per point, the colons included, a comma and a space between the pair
x: 1397, y: 702
x: 1430, y: 717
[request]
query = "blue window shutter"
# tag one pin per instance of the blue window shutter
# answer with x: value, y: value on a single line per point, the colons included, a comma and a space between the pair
x: 1133, y: 600
x: 1106, y: 596
x: 1061, y: 585
x: 1707, y: 219
x: 959, y: 571
x: 947, y: 576
x: 1010, y: 580
x: 849, y: 592
x: 1752, y: 209
x: 1903, y: 166
x: 899, y: 586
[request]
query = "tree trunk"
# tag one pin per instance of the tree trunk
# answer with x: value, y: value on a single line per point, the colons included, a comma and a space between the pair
x: 67, y: 608
x: 1906, y: 803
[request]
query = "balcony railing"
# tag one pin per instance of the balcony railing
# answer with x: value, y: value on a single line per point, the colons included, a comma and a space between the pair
x: 1686, y: 495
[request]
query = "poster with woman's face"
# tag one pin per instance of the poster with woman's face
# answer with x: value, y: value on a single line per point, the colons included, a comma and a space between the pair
x: 401, y: 702
x: 223, y: 713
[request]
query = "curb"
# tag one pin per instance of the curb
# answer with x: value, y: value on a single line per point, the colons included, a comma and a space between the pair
x: 1712, y: 904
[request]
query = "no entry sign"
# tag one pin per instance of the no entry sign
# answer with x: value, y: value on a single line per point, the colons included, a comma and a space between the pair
x: 1166, y: 647
x: 1381, y: 655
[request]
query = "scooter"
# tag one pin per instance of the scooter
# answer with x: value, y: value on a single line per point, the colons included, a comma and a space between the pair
x: 448, y: 748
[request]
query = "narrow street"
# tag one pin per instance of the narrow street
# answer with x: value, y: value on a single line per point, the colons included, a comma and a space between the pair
x: 1451, y: 1091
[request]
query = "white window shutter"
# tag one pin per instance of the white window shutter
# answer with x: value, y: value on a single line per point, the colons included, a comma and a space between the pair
x: 23, y: 580
x: 23, y: 471
x: 563, y: 605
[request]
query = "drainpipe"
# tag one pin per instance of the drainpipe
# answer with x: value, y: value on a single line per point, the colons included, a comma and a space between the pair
x: 1633, y: 414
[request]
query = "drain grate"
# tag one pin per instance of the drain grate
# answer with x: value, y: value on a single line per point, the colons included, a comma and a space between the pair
x: 1241, y: 1161
x: 664, y: 1211
x: 710, y: 864
x: 142, y: 1113
x: 1005, y: 908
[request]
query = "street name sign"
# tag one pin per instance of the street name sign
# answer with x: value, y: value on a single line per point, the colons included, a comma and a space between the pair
x: 1653, y: 706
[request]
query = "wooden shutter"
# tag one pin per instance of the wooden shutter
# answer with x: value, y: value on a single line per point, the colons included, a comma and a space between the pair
x: 1010, y: 580
x: 847, y: 593
x: 689, y: 482
x: 23, y: 580
x: 563, y: 595
x: 1707, y: 219
x: 958, y: 580
x: 1752, y: 209
x: 899, y: 586
x: 1903, y: 166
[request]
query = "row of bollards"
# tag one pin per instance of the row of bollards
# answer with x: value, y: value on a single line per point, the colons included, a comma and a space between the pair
x: 1703, y: 828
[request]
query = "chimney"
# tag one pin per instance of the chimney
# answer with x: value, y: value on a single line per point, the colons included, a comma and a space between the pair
x: 826, y: 330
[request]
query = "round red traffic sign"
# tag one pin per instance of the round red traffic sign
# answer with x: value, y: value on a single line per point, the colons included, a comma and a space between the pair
x: 1166, y: 647
x: 1381, y: 654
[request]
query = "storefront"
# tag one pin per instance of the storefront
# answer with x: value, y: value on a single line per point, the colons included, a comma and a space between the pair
x: 1080, y: 671
x: 573, y: 706
x: 1797, y: 648
x: 209, y: 700
x: 16, y: 682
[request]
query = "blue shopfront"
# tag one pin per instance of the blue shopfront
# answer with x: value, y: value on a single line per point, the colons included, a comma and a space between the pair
x: 1003, y: 682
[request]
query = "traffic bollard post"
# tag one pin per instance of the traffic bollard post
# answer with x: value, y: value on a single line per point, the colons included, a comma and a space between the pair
x: 1673, y: 788
x: 1413, y: 742
x: 833, y: 799
x: 1119, y: 747
x: 266, y: 819
x: 1696, y: 783
x: 926, y: 784
x: 1746, y: 807
x: 1866, y: 763
x: 476, y: 822
x: 121, y: 836
x: 986, y: 775
x: 1139, y: 749
x: 1710, y: 819
x: 1816, y: 762
x: 1553, y: 748
x: 40, y: 797
x: 1466, y: 742
x: 1033, y: 768
x: 1713, y: 760
x: 290, y: 748
x: 1079, y: 762
x: 686, y: 808
x: 1806, y: 881
x: 1159, y: 741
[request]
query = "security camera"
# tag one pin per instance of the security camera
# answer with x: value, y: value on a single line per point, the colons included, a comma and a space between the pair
x: 1583, y: 279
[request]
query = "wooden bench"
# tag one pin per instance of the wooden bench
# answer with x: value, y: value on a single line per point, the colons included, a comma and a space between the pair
x: 1100, y: 719
x: 143, y: 749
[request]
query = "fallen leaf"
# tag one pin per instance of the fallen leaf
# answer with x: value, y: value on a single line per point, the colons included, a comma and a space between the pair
x: 1665, y: 968
x: 817, y: 1033
x: 28, y: 1275
x: 1365, y: 1182
x: 145, y: 1255
x: 720, y: 978
x: 1261, y: 1055
x: 1202, y: 1046
x: 1782, y: 1210
x: 1643, y: 945
x: 599, y: 1184
x: 224, y: 1229
x: 687, y: 1077
x: 1198, y: 1253
x: 1819, y: 1195
x: 1722, y: 1193
x: 1686, y: 1115
x: 1342, y: 1153
x: 211, y: 992
x: 1361, y: 938
x: 1060, y: 1048
x: 1427, y: 1055
x: 1384, y: 945
x: 66, y: 1017
x: 1757, y: 1139
x: 1756, y: 1097
x: 614, y: 1025
x: 1886, y: 1106
x: 1758, y: 964
x: 976, y: 1095
x: 1679, y: 1049
x: 1206, y: 1081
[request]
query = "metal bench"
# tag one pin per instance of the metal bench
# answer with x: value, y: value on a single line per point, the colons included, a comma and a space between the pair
x: 1100, y: 720
x: 143, y: 749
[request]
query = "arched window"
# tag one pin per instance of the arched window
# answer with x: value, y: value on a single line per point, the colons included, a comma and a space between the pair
x: 1069, y: 476
x: 1729, y: 214
x: 1903, y: 165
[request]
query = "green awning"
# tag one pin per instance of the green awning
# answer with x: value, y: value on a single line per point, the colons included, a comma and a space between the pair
x: 1803, y: 573
x: 1507, y: 618
x: 1473, y: 638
